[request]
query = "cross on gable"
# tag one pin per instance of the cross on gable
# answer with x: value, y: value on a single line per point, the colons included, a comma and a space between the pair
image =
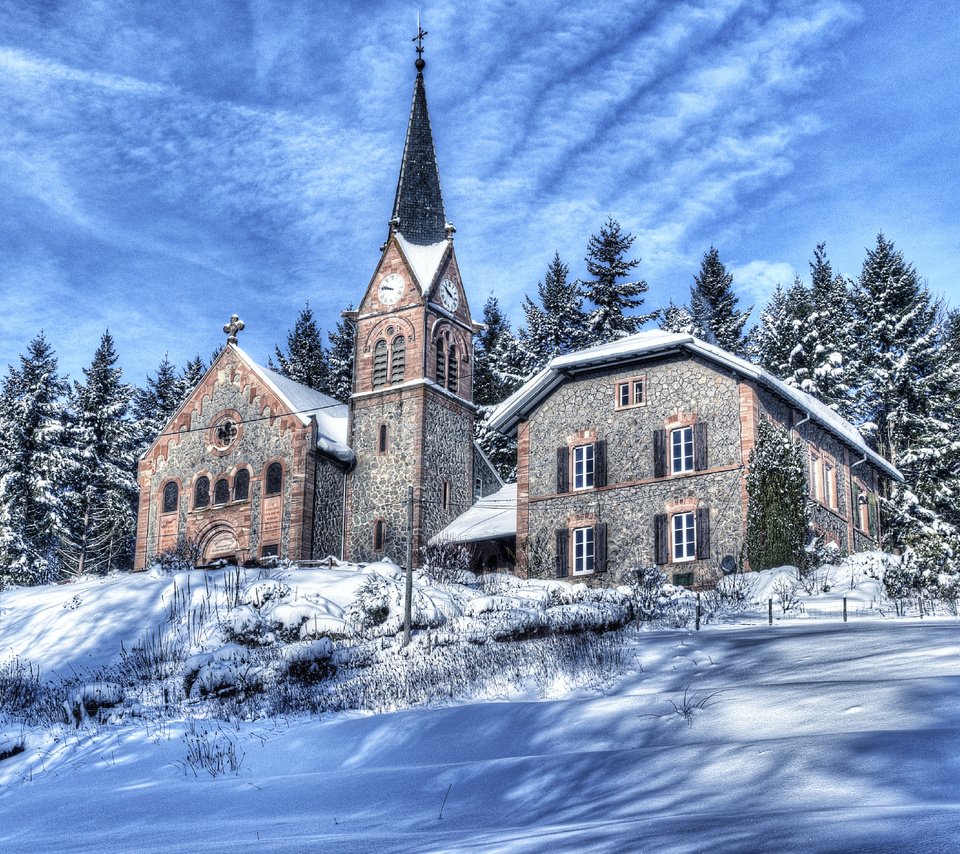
x: 232, y: 328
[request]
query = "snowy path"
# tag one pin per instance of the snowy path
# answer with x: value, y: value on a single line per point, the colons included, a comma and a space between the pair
x: 824, y: 737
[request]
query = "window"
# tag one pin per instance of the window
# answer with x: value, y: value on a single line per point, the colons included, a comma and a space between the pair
x: 272, y: 550
x: 225, y: 432
x: 221, y: 491
x: 441, y: 363
x: 477, y: 485
x: 862, y: 500
x: 201, y: 492
x: 830, y: 485
x: 583, y: 550
x: 631, y: 392
x: 379, y: 535
x: 583, y: 467
x: 816, y: 478
x: 380, y: 364
x: 683, y: 579
x: 684, y: 537
x: 398, y: 359
x: 171, y: 498
x: 446, y: 495
x: 453, y: 370
x: 382, y: 439
x: 681, y: 450
x: 274, y: 478
x: 241, y: 485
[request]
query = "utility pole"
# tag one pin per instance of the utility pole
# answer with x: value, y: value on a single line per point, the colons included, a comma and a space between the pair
x: 408, y: 594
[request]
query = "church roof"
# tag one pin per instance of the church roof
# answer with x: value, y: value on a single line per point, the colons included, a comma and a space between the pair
x: 425, y: 261
x: 305, y: 402
x: 418, y: 206
x: 644, y: 344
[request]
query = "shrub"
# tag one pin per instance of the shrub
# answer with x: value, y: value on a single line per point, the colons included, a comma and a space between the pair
x: 310, y: 663
x: 445, y: 563
x: 184, y: 555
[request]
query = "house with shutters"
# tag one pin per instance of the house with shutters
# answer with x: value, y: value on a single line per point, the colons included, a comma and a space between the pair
x: 634, y: 453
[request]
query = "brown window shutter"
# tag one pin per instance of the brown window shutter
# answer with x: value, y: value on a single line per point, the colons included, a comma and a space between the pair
x: 703, y: 533
x: 600, y: 546
x: 661, y: 539
x: 872, y: 515
x: 659, y: 453
x: 563, y: 469
x: 600, y: 463
x: 700, y: 446
x: 561, y: 552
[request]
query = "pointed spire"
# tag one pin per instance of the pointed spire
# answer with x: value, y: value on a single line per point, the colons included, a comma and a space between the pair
x: 418, y: 207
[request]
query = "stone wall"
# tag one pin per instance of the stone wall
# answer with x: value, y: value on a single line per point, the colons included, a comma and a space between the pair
x: 328, y: 510
x: 447, y: 459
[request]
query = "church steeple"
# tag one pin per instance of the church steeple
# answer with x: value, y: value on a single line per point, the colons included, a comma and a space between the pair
x: 418, y: 206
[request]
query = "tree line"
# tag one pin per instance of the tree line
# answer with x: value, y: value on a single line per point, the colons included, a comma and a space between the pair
x: 880, y: 349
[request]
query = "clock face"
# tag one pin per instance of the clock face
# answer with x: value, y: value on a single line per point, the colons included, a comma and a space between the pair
x: 391, y: 289
x: 449, y: 294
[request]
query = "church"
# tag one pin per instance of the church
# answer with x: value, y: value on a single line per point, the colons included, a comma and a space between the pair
x: 632, y: 453
x: 254, y: 465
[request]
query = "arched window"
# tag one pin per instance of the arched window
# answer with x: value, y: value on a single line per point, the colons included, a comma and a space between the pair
x: 453, y: 370
x: 171, y: 497
x: 201, y: 492
x: 241, y: 485
x: 441, y: 363
x: 379, y: 535
x: 221, y: 491
x: 382, y: 439
x: 398, y: 359
x: 274, y: 478
x: 380, y: 364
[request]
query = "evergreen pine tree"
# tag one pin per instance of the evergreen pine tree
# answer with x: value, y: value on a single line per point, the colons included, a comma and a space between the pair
x: 339, y: 383
x: 100, y: 487
x: 305, y: 360
x: 33, y: 460
x: 191, y: 374
x: 777, y: 508
x: 677, y: 318
x: 909, y: 390
x: 612, y: 297
x: 558, y: 324
x: 713, y: 305
x: 153, y: 406
x: 497, y: 358
x: 777, y: 340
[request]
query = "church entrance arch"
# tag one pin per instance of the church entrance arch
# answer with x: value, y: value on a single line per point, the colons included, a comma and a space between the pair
x: 219, y: 542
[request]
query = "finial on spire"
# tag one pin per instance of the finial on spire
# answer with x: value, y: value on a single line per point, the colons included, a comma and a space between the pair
x: 232, y: 328
x: 418, y: 38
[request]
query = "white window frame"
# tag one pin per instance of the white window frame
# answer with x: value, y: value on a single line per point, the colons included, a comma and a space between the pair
x: 683, y: 536
x: 584, y: 466
x: 816, y: 474
x: 682, y: 438
x: 584, y: 550
x: 830, y: 485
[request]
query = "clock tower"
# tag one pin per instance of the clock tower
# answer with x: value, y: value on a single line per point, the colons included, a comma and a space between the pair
x: 411, y: 411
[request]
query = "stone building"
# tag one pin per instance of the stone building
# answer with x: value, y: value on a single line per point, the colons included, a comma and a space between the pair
x: 255, y: 465
x: 634, y: 453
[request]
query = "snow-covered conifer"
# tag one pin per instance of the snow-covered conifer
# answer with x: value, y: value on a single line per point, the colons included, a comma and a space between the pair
x: 557, y: 324
x: 339, y: 384
x: 713, y: 304
x: 305, y: 360
x: 677, y: 318
x: 33, y: 459
x: 612, y: 297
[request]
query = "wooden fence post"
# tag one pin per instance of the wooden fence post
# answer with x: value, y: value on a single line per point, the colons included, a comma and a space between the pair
x: 770, y: 611
x: 844, y: 608
x: 698, y: 612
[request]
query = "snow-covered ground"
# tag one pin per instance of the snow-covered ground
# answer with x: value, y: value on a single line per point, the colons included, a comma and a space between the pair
x: 810, y: 735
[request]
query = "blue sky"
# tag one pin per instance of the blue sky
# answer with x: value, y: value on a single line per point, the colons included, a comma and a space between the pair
x: 165, y: 165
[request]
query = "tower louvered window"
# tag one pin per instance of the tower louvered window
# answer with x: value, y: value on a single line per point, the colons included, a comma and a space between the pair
x: 380, y: 364
x: 441, y: 364
x: 453, y: 369
x: 398, y: 359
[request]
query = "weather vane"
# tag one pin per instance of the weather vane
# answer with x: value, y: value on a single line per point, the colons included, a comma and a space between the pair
x: 418, y: 38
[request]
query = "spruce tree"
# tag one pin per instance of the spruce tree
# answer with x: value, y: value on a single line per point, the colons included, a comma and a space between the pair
x: 100, y: 487
x: 153, y: 406
x: 190, y: 376
x: 557, y: 325
x: 339, y: 384
x: 498, y: 368
x: 777, y: 340
x: 611, y: 296
x: 33, y: 459
x: 305, y: 360
x: 677, y: 318
x: 713, y: 305
x: 777, y: 508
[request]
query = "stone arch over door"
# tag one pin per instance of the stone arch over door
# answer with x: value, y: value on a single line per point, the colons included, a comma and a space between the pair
x: 218, y: 541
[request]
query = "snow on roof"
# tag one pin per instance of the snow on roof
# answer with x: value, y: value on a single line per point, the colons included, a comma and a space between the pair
x: 492, y: 517
x: 424, y: 260
x: 518, y: 406
x: 305, y: 402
